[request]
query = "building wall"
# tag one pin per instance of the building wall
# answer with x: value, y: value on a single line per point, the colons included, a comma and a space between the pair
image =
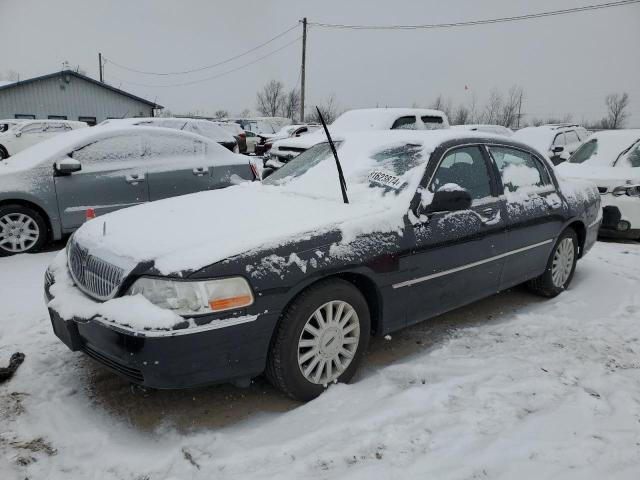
x: 70, y: 96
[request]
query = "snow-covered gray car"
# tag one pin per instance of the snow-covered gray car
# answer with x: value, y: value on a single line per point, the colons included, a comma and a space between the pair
x: 46, y: 190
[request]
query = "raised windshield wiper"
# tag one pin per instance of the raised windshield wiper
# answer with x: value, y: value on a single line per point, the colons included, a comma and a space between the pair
x: 343, y: 183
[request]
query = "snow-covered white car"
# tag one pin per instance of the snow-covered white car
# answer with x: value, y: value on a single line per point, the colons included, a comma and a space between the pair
x: 358, y: 120
x: 611, y: 160
x: 266, y: 140
x: 237, y: 132
x: 496, y: 129
x: 300, y: 271
x: 46, y: 190
x: 198, y: 126
x: 557, y: 141
x: 26, y: 133
x: 7, y: 123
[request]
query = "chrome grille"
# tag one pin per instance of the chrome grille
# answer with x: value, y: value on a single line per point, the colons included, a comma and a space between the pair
x: 93, y: 275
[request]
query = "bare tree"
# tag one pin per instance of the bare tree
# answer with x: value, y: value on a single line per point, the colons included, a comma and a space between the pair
x: 462, y: 115
x: 493, y: 108
x: 443, y: 104
x: 291, y: 104
x: 10, y: 75
x: 617, y: 104
x: 269, y: 101
x: 329, y: 109
x: 220, y: 114
x: 245, y: 113
x: 511, y: 107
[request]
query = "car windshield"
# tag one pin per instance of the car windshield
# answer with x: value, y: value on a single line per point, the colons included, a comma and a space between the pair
x: 630, y: 158
x: 391, y: 169
x: 585, y: 152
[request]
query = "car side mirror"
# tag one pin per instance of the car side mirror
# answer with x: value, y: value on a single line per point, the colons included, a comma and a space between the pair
x: 18, y: 134
x: 67, y: 166
x: 557, y: 150
x: 450, y: 198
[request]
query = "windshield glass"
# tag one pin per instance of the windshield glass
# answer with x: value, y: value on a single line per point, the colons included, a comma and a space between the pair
x: 631, y: 158
x: 585, y: 152
x: 382, y: 172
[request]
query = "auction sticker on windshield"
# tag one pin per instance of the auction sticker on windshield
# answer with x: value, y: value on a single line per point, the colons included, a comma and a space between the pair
x: 385, y: 179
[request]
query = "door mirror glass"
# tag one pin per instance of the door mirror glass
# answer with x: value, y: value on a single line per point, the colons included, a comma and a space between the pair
x: 450, y: 197
x: 557, y: 150
x: 67, y: 166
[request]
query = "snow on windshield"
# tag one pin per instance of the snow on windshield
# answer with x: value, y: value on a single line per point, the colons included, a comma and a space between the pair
x: 371, y: 174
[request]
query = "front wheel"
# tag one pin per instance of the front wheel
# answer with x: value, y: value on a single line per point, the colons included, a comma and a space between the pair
x: 3, y: 153
x: 560, y: 267
x: 320, y: 340
x: 22, y: 230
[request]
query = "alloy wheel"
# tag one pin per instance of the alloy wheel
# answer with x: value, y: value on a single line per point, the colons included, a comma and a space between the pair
x: 562, y: 262
x: 328, y: 342
x: 18, y: 232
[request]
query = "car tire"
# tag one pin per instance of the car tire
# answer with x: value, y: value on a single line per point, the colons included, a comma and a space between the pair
x: 335, y: 348
x: 560, y: 267
x: 3, y: 153
x: 11, y: 218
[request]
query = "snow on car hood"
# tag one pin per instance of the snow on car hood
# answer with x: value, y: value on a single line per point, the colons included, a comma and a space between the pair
x: 539, y: 138
x: 193, y: 231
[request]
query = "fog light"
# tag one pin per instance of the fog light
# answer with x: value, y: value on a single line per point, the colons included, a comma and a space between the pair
x: 623, y: 226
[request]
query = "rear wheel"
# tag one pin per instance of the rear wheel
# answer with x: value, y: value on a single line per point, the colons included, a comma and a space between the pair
x: 3, y: 153
x: 320, y: 340
x: 560, y: 267
x: 22, y: 230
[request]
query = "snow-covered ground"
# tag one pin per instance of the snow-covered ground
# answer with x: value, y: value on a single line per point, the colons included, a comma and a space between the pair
x: 511, y: 387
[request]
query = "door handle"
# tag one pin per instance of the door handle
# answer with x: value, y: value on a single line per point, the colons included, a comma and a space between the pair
x: 135, y: 178
x: 488, y: 212
x: 200, y: 171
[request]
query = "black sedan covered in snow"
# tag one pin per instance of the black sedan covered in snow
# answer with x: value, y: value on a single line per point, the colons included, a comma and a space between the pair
x: 286, y: 278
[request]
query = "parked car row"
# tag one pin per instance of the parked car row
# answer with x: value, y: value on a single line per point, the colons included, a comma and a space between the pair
x: 285, y: 277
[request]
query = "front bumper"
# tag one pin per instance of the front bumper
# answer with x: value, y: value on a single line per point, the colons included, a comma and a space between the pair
x: 170, y: 360
x: 622, y: 211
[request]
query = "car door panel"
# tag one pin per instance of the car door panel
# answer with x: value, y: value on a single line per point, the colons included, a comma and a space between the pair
x: 112, y: 177
x: 457, y: 256
x: 177, y: 165
x: 534, y: 213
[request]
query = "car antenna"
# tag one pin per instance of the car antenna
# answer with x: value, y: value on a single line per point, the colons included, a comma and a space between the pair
x: 343, y: 183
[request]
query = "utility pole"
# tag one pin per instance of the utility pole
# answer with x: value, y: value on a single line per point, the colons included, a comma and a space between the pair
x: 519, y: 109
x: 100, y: 67
x: 304, y: 59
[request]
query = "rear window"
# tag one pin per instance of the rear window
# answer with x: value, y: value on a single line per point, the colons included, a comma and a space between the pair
x: 405, y: 123
x: 432, y: 122
x: 585, y: 152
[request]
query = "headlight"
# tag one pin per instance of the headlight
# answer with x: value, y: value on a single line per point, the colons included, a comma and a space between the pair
x: 189, y: 298
x: 631, y: 190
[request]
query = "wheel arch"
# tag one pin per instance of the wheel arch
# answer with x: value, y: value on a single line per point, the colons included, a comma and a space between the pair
x: 581, y: 231
x: 363, y: 283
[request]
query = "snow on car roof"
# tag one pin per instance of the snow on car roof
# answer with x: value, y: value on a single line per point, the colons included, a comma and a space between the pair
x: 67, y: 142
x: 538, y: 137
x: 378, y: 118
x: 311, y: 203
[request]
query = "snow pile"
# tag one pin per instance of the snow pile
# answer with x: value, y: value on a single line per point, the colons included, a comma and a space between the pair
x: 545, y: 389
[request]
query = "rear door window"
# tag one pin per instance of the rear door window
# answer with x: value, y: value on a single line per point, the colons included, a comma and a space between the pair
x: 405, y: 123
x: 559, y: 141
x: 33, y: 128
x: 466, y: 168
x: 571, y: 137
x: 171, y: 146
x: 432, y: 122
x: 123, y: 148
x: 519, y: 170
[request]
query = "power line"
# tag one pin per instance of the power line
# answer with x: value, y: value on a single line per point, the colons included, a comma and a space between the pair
x: 214, y: 76
x: 478, y: 22
x: 206, y: 67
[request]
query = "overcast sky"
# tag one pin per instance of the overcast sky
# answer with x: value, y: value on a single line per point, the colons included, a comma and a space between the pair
x: 566, y: 64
